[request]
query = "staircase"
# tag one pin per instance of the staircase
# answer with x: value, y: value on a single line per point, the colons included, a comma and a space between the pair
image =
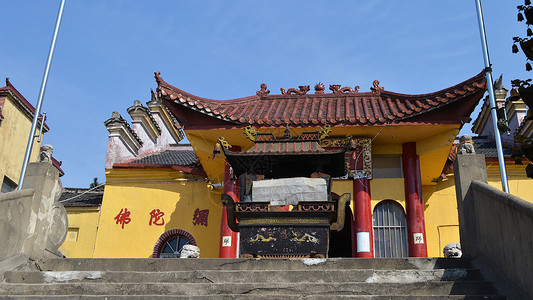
x: 336, y: 278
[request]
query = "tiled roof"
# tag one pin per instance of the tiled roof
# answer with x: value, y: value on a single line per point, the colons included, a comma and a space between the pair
x: 279, y: 159
x: 183, y: 160
x: 285, y: 147
x: 81, y: 197
x: 21, y: 101
x: 345, y: 106
x: 169, y: 157
x: 490, y: 151
x: 482, y: 146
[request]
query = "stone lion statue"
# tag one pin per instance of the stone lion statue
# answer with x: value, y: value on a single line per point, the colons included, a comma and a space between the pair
x: 452, y: 250
x: 190, y: 251
x: 46, y: 154
x: 466, y: 145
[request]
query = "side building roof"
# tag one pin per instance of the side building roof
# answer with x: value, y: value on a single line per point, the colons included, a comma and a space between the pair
x: 181, y: 158
x: 81, y: 197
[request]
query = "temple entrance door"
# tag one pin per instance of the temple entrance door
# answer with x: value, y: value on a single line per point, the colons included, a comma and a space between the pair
x: 340, y: 243
x: 390, y: 230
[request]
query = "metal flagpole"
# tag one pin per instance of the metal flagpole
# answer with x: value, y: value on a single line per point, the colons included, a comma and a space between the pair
x: 488, y: 74
x: 41, y: 96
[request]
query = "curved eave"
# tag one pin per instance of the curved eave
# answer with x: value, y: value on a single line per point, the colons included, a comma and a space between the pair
x: 353, y: 109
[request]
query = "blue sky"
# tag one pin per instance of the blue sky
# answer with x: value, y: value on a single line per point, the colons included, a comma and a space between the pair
x: 107, y: 52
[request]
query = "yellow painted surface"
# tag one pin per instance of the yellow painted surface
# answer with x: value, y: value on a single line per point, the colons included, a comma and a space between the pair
x: 440, y: 214
x: 519, y: 184
x: 141, y: 191
x: 380, y: 189
x: 387, y: 189
x: 440, y: 205
x: 14, y: 133
x: 82, y: 230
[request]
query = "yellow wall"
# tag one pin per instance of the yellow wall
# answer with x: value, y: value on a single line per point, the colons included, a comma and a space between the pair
x: 519, y: 184
x: 142, y: 190
x: 440, y: 204
x: 82, y: 230
x: 440, y: 214
x: 14, y: 133
x: 380, y: 189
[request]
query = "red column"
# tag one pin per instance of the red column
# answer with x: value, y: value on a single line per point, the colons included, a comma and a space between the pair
x: 228, y: 238
x: 363, y: 208
x: 416, y: 228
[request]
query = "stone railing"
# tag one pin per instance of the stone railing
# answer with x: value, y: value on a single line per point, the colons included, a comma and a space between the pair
x: 32, y: 222
x: 496, y: 229
x: 15, y: 210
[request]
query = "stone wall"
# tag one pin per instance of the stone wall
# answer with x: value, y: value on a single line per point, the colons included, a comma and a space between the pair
x: 496, y: 228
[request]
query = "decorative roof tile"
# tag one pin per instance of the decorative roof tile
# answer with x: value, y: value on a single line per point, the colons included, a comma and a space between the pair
x: 344, y: 106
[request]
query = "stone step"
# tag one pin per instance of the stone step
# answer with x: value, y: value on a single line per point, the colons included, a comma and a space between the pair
x: 253, y: 297
x: 440, y: 288
x: 164, y: 265
x: 253, y: 276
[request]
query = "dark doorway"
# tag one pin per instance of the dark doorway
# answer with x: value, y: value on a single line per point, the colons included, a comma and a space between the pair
x: 340, y: 243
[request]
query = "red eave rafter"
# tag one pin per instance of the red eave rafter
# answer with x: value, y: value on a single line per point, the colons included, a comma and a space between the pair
x: 337, y: 109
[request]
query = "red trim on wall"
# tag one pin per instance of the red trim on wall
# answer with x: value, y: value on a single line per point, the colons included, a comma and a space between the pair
x: 165, y: 237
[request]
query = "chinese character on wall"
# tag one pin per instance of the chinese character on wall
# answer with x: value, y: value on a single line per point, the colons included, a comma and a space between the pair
x: 200, y: 217
x: 123, y: 217
x: 156, y: 218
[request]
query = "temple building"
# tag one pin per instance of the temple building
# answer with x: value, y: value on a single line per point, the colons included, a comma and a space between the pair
x: 390, y: 152
x: 16, y: 116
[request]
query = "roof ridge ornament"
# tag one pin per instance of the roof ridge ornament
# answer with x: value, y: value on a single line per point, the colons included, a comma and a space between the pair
x: 157, y: 77
x: 263, y: 92
x: 303, y: 90
x: 336, y: 89
x: 319, y: 88
x: 376, y: 89
x: 154, y: 98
